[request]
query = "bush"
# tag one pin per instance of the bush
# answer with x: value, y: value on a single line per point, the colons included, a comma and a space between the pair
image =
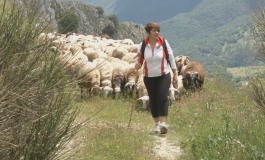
x: 37, y: 115
x: 114, y: 19
x: 100, y: 10
x: 109, y: 30
x: 68, y: 22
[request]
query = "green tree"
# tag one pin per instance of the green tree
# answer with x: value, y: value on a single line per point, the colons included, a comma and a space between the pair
x: 68, y: 22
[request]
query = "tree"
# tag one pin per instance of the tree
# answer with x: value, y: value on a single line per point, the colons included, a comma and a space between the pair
x: 68, y: 22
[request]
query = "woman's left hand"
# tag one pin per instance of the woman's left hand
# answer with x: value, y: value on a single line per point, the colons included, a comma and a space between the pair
x: 175, y: 79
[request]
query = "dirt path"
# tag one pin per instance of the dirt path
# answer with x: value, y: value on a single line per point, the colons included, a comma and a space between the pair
x: 166, y: 149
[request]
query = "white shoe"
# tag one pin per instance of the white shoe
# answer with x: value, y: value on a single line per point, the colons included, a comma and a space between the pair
x: 163, y: 128
x: 157, y: 127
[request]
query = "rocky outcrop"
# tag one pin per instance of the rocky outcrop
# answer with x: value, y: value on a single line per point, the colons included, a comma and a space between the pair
x: 92, y: 18
x: 132, y: 31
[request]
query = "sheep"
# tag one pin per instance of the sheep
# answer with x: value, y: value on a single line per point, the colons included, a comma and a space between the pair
x: 89, y: 79
x: 118, y: 78
x: 133, y: 48
x: 131, y: 78
x: 141, y: 91
x: 172, y: 93
x: 172, y: 89
x: 180, y: 90
x: 91, y: 53
x: 129, y: 57
x: 76, y: 62
x: 106, y: 69
x: 145, y: 102
x: 127, y: 41
x: 193, y: 76
x: 119, y: 52
x: 181, y: 62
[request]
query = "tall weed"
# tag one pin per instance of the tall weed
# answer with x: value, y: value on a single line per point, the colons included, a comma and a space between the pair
x: 36, y: 109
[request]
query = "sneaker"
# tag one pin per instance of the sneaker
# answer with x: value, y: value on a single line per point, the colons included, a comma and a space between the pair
x: 163, y: 128
x: 157, y: 128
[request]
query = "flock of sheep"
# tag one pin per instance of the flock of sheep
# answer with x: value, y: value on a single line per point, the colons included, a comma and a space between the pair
x: 105, y: 66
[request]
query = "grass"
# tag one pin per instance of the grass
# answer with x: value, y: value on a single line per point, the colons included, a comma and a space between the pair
x: 219, y: 122
x: 108, y: 136
x: 241, y: 71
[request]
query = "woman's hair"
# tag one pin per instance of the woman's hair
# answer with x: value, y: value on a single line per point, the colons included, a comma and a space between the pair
x: 149, y: 26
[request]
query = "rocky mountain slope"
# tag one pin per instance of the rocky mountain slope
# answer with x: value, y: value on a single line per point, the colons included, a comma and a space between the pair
x: 92, y: 19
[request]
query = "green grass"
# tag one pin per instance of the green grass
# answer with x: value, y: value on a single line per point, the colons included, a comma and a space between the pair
x: 219, y: 122
x: 108, y: 135
x: 238, y: 72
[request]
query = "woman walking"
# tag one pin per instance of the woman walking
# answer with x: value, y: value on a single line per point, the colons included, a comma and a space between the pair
x: 157, y: 61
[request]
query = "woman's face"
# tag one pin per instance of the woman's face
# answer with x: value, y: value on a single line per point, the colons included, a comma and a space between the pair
x: 154, y: 33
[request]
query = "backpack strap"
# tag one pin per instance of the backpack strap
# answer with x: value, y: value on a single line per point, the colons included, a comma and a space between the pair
x: 164, y: 48
x: 166, y: 51
x: 143, y: 47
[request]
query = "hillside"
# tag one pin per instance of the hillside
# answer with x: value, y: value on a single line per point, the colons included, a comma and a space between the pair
x: 142, y: 11
x: 215, y: 32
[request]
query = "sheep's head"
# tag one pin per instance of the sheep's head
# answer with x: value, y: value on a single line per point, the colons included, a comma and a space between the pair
x: 107, y: 91
x: 193, y: 81
x: 129, y: 87
x: 116, y: 92
x: 118, y: 81
x: 144, y: 102
x: 96, y: 90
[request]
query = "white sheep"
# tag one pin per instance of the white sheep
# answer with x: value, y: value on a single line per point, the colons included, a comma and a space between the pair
x: 119, y: 52
x: 145, y: 102
x: 91, y: 53
x: 89, y: 79
x: 181, y: 62
x: 180, y: 90
x: 105, y: 68
x: 131, y: 78
x: 129, y: 57
x: 118, y: 78
x: 142, y: 94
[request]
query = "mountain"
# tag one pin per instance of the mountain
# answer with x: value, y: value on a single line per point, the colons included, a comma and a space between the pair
x: 214, y: 32
x: 142, y: 11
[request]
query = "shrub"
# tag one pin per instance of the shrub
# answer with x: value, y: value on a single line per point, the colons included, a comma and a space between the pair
x: 109, y: 30
x: 68, y: 22
x: 37, y: 115
x: 100, y: 10
x: 114, y: 19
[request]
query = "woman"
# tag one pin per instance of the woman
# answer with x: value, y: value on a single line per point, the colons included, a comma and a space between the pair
x: 157, y: 78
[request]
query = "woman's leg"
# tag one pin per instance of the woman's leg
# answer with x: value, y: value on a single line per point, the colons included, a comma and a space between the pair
x: 163, y: 88
x: 151, y: 84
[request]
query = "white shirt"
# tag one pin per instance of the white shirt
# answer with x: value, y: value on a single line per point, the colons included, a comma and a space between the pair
x: 155, y: 62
